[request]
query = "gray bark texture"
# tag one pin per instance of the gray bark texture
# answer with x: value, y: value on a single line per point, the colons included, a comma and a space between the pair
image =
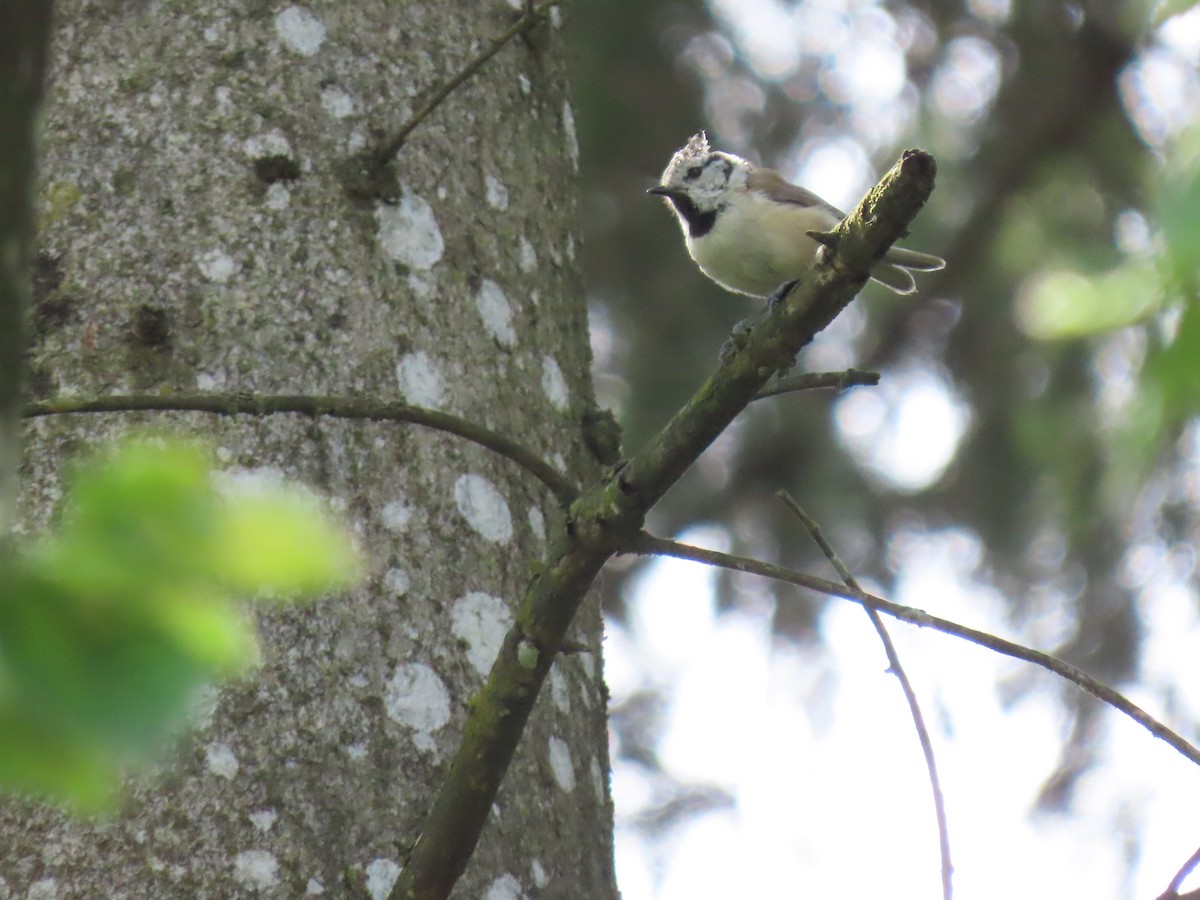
x: 197, y: 234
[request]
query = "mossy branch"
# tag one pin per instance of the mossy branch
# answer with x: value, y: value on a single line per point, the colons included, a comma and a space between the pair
x: 608, y: 517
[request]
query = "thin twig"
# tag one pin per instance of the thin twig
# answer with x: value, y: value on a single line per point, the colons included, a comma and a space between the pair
x: 528, y: 18
x: 334, y: 407
x: 910, y: 696
x: 647, y: 544
x: 1172, y: 891
x: 808, y: 381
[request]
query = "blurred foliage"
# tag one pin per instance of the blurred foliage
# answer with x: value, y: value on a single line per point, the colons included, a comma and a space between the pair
x: 1068, y: 208
x: 1173, y: 367
x: 109, y: 626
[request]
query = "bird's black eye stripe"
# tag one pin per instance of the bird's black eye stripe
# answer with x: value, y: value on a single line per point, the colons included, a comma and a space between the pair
x: 694, y: 172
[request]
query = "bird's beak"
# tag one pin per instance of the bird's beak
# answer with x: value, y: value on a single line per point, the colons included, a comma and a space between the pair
x: 663, y: 191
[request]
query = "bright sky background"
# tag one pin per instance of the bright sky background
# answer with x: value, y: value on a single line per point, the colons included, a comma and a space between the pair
x: 831, y: 797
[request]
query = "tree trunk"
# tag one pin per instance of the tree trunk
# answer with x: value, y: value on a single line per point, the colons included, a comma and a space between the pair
x: 203, y: 229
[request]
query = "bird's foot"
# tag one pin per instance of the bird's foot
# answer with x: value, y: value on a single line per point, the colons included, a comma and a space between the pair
x: 780, y: 294
x: 735, y: 342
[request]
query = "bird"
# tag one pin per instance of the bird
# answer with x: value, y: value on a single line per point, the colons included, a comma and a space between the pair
x: 750, y: 230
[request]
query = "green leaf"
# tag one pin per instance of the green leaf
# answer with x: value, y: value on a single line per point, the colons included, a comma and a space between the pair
x: 41, y: 761
x: 108, y: 627
x: 1177, y: 209
x: 1063, y: 304
x: 273, y: 542
x: 1173, y: 372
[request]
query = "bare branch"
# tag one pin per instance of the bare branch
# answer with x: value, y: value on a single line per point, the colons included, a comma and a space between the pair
x: 910, y: 696
x: 530, y: 16
x: 647, y: 544
x: 808, y: 381
x: 335, y: 407
x: 1172, y: 891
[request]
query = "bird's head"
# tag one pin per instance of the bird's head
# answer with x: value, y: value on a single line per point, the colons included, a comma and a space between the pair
x: 700, y: 181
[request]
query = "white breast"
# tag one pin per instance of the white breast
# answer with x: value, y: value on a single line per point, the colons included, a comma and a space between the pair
x: 757, y: 244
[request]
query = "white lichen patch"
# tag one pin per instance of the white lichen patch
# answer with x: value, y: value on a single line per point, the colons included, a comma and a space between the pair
x: 336, y: 102
x: 484, y: 507
x: 495, y: 192
x: 241, y: 481
x: 263, y: 819
x: 43, y: 889
x: 202, y: 707
x: 572, y: 139
x: 537, y: 523
x: 538, y: 872
x: 599, y: 788
x: 269, y: 143
x: 480, y: 621
x: 526, y: 255
x: 495, y: 312
x: 409, y: 232
x: 314, y: 888
x: 279, y: 196
x: 506, y: 887
x: 221, y: 760
x: 587, y: 662
x: 524, y: 84
x: 395, y: 515
x: 256, y: 869
x: 381, y: 875
x: 554, y: 384
x: 560, y: 691
x: 264, y: 481
x: 210, y: 381
x: 396, y: 581
x: 217, y: 266
x: 417, y: 698
x: 421, y: 286
x: 420, y: 380
x: 560, y: 763
x: 299, y: 30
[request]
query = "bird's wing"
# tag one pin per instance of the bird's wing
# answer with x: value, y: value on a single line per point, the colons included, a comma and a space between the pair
x: 780, y: 189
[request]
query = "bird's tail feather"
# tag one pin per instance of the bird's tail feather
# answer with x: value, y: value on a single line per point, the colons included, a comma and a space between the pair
x: 914, y: 259
x: 894, y: 278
